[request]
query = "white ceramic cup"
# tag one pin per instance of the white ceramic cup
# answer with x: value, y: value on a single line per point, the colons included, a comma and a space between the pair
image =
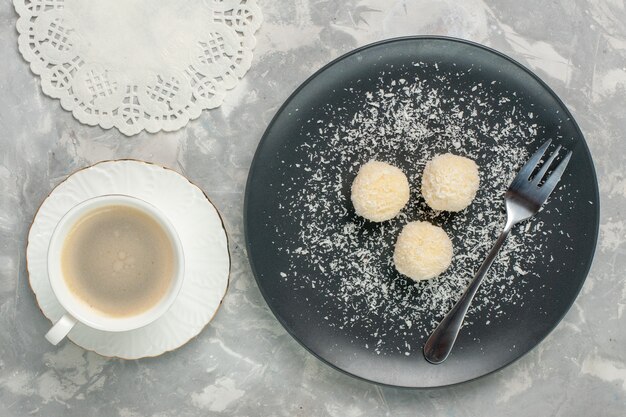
x: 78, y: 310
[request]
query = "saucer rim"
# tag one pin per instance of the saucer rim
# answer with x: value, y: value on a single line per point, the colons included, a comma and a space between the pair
x: 219, y: 214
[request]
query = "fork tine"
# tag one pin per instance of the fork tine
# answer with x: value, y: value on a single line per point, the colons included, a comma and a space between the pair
x: 550, y: 184
x: 546, y: 166
x: 524, y: 173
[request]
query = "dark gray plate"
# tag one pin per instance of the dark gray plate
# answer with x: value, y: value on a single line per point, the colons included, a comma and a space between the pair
x: 376, y: 344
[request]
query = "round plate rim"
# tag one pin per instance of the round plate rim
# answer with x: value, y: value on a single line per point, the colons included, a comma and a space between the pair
x: 279, y: 112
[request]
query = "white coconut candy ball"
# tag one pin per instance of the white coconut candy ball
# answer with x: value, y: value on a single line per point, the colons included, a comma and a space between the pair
x: 450, y: 182
x: 379, y: 191
x: 422, y: 251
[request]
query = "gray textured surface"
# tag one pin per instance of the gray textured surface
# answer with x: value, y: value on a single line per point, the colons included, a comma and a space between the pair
x: 245, y: 364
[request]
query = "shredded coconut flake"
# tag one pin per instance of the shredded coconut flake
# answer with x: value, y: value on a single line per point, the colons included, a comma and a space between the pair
x: 406, y: 122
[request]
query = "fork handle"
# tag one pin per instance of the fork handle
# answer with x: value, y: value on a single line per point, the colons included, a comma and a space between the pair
x: 441, y: 341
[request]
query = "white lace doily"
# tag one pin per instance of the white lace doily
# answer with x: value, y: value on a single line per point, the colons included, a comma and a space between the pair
x: 138, y: 64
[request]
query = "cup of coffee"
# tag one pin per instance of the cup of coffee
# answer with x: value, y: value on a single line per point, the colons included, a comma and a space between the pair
x: 115, y: 263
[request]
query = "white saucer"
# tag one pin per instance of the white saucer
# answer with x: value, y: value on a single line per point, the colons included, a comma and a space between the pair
x: 201, y: 231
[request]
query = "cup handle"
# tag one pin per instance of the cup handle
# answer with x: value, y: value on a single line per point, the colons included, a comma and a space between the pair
x: 60, y: 329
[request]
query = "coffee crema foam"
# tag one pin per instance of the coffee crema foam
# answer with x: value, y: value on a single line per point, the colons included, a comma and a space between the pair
x: 118, y: 260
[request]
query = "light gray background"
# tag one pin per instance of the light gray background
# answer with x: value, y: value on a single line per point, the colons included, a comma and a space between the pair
x: 244, y: 363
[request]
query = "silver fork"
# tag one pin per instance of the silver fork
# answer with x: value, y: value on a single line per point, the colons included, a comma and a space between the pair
x: 523, y: 200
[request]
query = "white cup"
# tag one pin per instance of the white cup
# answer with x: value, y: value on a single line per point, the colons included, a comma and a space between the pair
x: 78, y: 310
